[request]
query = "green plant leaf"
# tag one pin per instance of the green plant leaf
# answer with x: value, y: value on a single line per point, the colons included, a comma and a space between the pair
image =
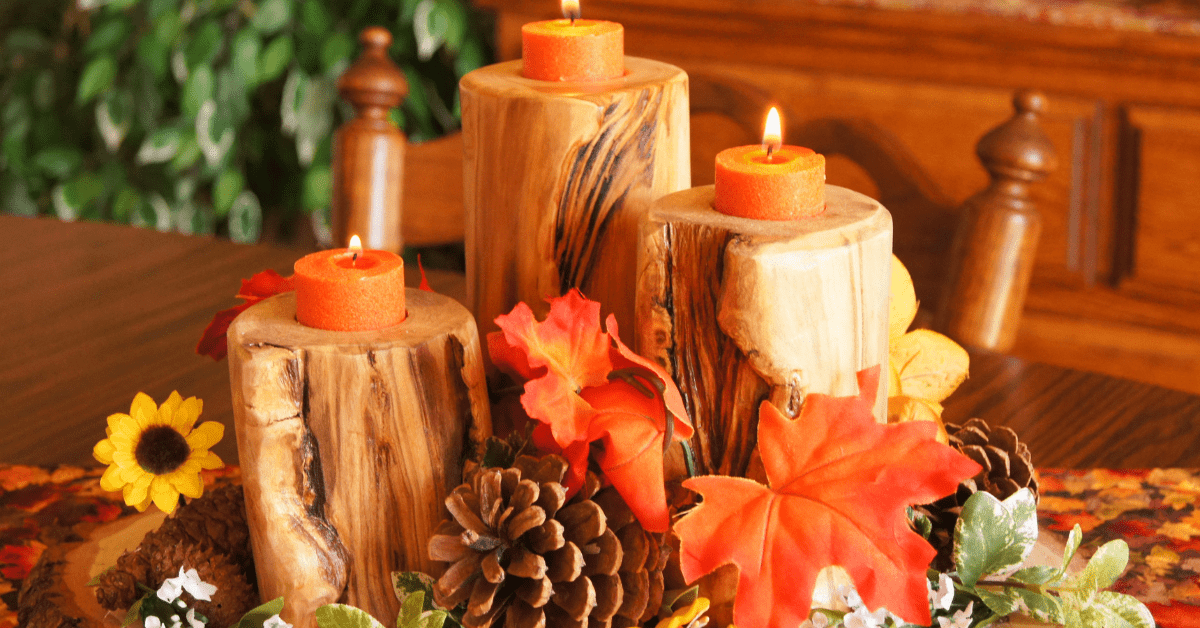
x: 343, y: 616
x: 204, y: 45
x: 154, y: 56
x: 456, y: 15
x: 226, y: 188
x: 294, y: 89
x: 318, y: 188
x: 992, y: 537
x: 271, y: 15
x: 314, y: 18
x: 406, y: 583
x: 108, y: 36
x: 158, y: 9
x: 16, y: 199
x: 275, y: 58
x: 413, y: 613
x: 1038, y: 574
x: 162, y: 145
x: 1002, y: 603
x: 336, y: 52
x: 232, y: 97
x: 162, y: 214
x: 314, y: 118
x: 1105, y: 566
x: 1072, y: 546
x: 431, y: 23
x: 245, y: 220
x: 69, y: 199
x: 127, y: 203
x: 1040, y: 606
x: 197, y: 89
x: 1122, y: 611
x: 23, y: 41
x: 188, y: 154
x: 471, y: 57
x: 43, y: 89
x: 246, y: 48
x: 255, y: 617
x: 214, y: 133
x: 97, y: 77
x: 58, y: 162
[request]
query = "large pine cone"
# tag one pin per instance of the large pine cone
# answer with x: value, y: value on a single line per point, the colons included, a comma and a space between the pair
x: 216, y: 521
x: 235, y: 595
x: 1007, y: 468
x: 519, y: 549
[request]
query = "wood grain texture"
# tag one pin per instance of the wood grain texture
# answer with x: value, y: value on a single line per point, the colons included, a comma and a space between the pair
x: 741, y: 310
x: 350, y: 441
x: 556, y: 176
x: 368, y: 150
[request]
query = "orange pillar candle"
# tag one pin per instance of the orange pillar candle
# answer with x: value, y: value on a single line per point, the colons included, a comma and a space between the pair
x: 350, y: 289
x: 772, y: 181
x: 571, y: 49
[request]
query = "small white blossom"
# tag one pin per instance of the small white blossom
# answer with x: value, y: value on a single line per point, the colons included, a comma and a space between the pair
x: 961, y: 619
x: 152, y: 622
x: 180, y: 604
x: 192, y: 621
x: 943, y: 596
x: 862, y: 618
x: 275, y: 622
x: 169, y: 591
x: 191, y: 582
x: 850, y: 596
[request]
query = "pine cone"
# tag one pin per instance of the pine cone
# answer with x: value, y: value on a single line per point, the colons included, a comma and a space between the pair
x: 216, y: 521
x: 518, y: 548
x: 235, y: 595
x: 1007, y: 468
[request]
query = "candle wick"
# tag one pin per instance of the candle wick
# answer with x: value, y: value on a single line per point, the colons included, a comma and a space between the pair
x: 770, y: 152
x: 354, y: 257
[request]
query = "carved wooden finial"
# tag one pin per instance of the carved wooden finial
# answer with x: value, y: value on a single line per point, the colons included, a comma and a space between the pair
x: 374, y: 80
x: 991, y: 261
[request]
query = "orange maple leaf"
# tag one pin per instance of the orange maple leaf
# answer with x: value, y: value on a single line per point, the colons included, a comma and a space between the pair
x: 268, y: 283
x: 584, y: 385
x: 839, y: 485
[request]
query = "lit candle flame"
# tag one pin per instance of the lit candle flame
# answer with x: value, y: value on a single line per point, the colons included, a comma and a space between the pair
x: 570, y: 10
x: 355, y: 247
x: 772, y: 133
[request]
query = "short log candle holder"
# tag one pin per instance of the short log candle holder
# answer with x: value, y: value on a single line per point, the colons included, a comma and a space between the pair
x: 349, y: 442
x: 740, y: 310
x: 557, y: 175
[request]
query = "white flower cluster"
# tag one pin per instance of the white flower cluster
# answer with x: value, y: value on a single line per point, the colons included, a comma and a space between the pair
x: 169, y: 593
x: 841, y: 599
x: 942, y: 598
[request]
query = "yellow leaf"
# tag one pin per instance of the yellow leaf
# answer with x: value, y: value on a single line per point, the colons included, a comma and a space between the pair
x: 930, y: 365
x: 904, y: 409
x: 903, y: 307
x: 893, y: 380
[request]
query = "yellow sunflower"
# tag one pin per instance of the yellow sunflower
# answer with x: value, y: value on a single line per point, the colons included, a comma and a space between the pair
x: 153, y: 454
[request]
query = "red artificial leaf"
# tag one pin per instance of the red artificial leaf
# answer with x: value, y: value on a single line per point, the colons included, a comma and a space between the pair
x: 839, y: 485
x: 268, y: 283
x: 424, y: 282
x: 563, y: 354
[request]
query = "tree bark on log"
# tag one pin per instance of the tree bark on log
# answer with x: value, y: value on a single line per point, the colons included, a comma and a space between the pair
x: 349, y: 443
x: 740, y: 311
x: 556, y: 176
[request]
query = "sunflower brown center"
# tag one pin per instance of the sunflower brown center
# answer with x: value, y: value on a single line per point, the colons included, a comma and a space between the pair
x: 161, y: 450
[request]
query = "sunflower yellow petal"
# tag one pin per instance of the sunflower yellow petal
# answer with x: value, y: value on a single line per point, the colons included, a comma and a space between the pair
x: 166, y: 416
x: 136, y: 492
x: 188, y: 484
x: 164, y: 495
x: 114, y: 420
x: 211, y: 461
x: 127, y: 427
x: 192, y: 464
x: 142, y: 505
x: 111, y: 480
x: 132, y: 473
x: 204, y: 437
x: 189, y: 412
x: 143, y: 408
x: 103, y: 451
x: 123, y: 458
x: 172, y: 402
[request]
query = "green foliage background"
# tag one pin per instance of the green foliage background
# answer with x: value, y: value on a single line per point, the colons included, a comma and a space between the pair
x: 199, y: 116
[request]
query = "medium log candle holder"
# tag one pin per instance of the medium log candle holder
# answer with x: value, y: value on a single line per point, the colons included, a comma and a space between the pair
x: 349, y: 443
x: 740, y: 310
x: 557, y: 175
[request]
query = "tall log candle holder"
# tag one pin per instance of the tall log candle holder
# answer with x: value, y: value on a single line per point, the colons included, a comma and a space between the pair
x: 557, y: 174
x: 349, y: 442
x: 741, y: 310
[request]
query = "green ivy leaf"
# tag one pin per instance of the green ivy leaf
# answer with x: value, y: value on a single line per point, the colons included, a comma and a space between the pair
x: 1001, y: 603
x: 58, y: 162
x: 247, y: 46
x: 1040, y: 606
x: 162, y: 214
x: 407, y: 583
x: 992, y: 537
x: 127, y: 203
x: 470, y: 58
x: 214, y: 132
x: 108, y: 36
x: 23, y: 41
x: 1038, y: 574
x: 314, y: 18
x: 245, y: 222
x: 161, y: 146
x: 197, y: 89
x: 431, y: 23
x: 189, y: 152
x: 69, y: 199
x: 318, y: 188
x: 1072, y: 546
x: 154, y: 56
x: 226, y: 188
x: 158, y: 9
x: 97, y: 77
x: 43, y: 89
x: 343, y: 616
x: 336, y: 52
x: 271, y: 16
x: 255, y: 617
x: 16, y: 199
x: 1122, y: 611
x: 275, y: 58
x: 204, y: 45
x: 1105, y: 566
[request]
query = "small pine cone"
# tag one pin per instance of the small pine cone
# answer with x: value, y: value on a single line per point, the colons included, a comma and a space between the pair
x: 234, y: 596
x: 520, y: 550
x: 216, y: 521
x: 1007, y: 468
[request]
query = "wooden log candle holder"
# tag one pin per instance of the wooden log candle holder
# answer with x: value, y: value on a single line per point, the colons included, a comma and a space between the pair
x: 741, y: 310
x: 556, y: 176
x: 349, y: 442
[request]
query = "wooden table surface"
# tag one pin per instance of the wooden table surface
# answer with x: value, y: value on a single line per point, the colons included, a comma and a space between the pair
x: 91, y: 314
